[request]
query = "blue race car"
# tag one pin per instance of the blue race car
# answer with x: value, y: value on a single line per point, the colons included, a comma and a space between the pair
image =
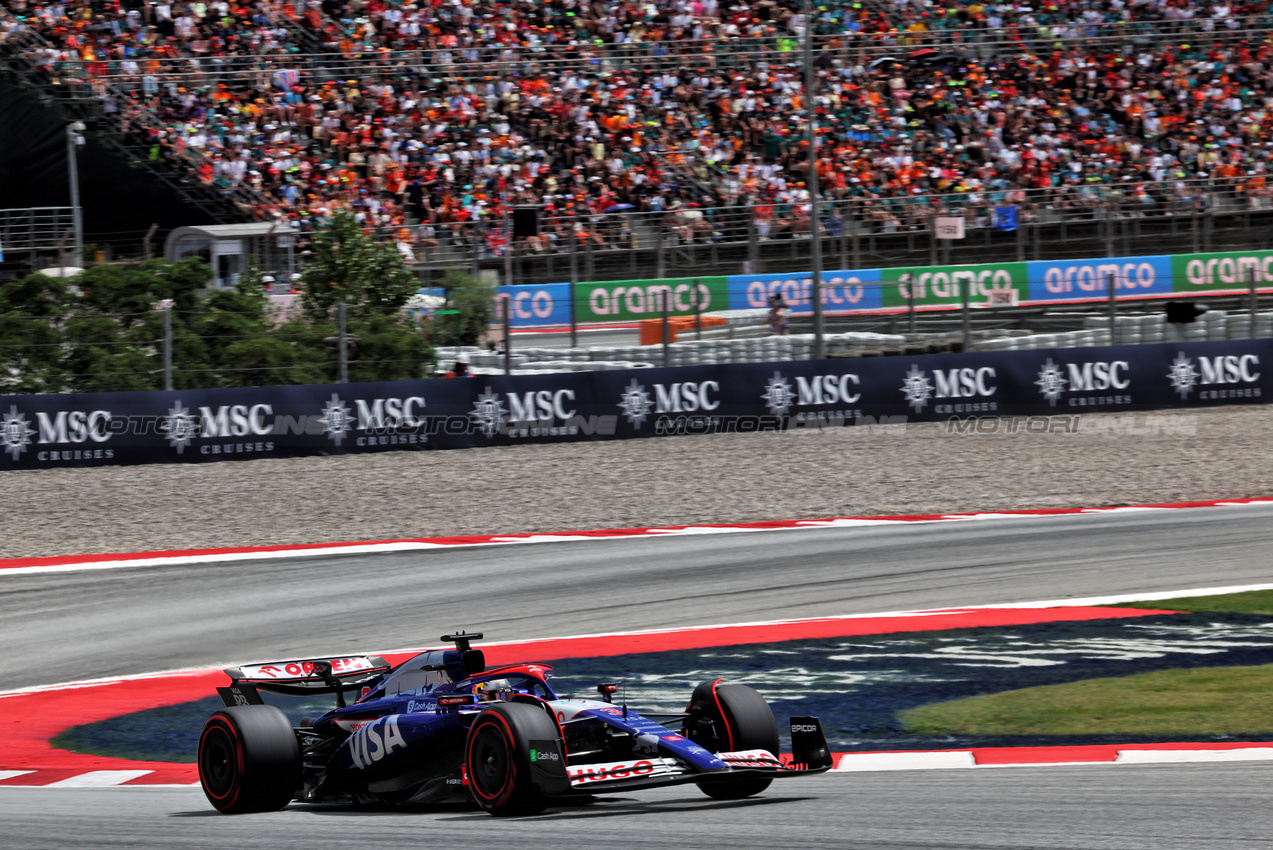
x: 442, y: 725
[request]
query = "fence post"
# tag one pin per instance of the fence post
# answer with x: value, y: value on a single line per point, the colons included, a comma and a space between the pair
x: 1113, y: 308
x: 1197, y: 237
x: 167, y: 345
x: 574, y: 281
x: 145, y: 242
x: 910, y: 302
x: 342, y: 358
x: 1254, y: 305
x: 857, y: 241
x: 753, y: 248
x: 698, y: 312
x: 966, y: 297
x: 667, y: 353
x: 508, y: 337
x: 932, y: 239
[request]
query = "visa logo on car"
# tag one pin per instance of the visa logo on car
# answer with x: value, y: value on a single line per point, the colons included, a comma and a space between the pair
x: 374, y: 741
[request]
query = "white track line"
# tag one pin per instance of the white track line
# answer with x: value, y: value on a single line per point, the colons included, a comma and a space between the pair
x: 1177, y: 756
x: 854, y: 762
x: 568, y: 537
x: 964, y: 759
x: 1145, y: 596
x: 99, y: 779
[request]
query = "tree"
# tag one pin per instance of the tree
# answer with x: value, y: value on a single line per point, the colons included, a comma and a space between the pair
x: 388, y: 349
x: 114, y: 328
x: 107, y: 332
x: 473, y: 300
x: 31, y: 356
x: 350, y: 266
x: 371, y: 279
x: 247, y: 345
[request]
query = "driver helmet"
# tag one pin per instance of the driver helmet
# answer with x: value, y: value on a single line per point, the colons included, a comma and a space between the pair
x: 495, y: 689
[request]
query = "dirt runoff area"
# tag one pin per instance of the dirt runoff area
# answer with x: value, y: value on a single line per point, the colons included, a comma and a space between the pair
x: 1008, y: 464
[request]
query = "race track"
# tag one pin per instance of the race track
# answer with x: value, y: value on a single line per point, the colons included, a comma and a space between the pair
x: 79, y: 625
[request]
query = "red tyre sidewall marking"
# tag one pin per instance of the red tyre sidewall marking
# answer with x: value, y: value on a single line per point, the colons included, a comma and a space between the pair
x: 236, y: 745
x: 729, y: 727
x: 510, y: 775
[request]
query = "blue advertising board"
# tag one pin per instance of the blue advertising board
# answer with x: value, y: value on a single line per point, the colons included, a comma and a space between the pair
x: 225, y: 424
x: 530, y: 305
x: 1068, y: 280
x: 842, y: 291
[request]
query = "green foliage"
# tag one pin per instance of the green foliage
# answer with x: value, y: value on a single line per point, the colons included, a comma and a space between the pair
x: 387, y: 349
x: 1187, y: 703
x: 134, y: 290
x: 349, y: 266
x: 104, y: 330
x: 30, y: 355
x: 474, y: 300
x: 34, y: 295
x: 1253, y: 602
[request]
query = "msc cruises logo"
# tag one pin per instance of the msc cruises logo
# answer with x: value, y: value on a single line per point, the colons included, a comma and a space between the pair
x: 1051, y: 382
x: 337, y: 419
x: 917, y: 389
x: 489, y: 412
x: 635, y: 403
x: 778, y: 396
x: 1183, y: 376
x: 180, y: 425
x: 15, y: 433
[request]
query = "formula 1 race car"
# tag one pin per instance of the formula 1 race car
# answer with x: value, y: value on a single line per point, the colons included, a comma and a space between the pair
x: 441, y: 725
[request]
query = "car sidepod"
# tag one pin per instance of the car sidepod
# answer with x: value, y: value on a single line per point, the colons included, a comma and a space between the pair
x: 391, y: 757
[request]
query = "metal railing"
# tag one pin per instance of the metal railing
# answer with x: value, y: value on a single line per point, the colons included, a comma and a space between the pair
x: 35, y: 229
x: 1075, y: 221
x: 721, y: 54
x: 165, y: 348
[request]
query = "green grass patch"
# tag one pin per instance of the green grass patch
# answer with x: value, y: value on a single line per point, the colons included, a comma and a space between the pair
x: 1254, y: 602
x: 1229, y: 701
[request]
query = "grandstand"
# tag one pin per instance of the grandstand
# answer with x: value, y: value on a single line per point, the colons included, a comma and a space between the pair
x: 430, y: 118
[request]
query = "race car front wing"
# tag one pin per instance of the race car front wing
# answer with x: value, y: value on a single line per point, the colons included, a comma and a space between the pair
x: 810, y: 755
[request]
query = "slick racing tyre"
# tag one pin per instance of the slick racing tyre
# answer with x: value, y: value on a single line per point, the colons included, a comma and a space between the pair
x: 497, y: 757
x: 731, y: 718
x: 249, y: 760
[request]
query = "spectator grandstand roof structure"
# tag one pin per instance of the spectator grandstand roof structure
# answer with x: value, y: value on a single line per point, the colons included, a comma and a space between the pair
x: 433, y: 116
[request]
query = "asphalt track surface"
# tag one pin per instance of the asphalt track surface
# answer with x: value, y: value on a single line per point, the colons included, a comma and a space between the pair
x: 69, y: 626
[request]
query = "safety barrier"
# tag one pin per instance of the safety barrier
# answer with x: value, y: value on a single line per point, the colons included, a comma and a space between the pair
x: 211, y: 425
x: 851, y: 291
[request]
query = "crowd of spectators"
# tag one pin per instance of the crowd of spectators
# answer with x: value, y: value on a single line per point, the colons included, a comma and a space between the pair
x: 431, y: 117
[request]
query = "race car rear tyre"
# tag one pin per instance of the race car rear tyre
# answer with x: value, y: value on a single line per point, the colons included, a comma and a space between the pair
x: 249, y: 760
x: 497, y: 758
x: 731, y: 718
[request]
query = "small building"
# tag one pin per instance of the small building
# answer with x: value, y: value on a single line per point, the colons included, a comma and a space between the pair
x: 230, y: 248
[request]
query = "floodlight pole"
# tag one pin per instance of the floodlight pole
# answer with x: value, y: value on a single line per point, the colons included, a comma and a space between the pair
x: 73, y: 141
x: 815, y: 224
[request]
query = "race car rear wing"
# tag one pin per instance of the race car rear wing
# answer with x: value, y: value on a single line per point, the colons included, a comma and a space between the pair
x: 301, y: 678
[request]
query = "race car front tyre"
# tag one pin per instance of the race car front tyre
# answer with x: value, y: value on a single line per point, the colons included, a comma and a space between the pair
x: 497, y: 758
x: 249, y: 760
x: 731, y: 718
